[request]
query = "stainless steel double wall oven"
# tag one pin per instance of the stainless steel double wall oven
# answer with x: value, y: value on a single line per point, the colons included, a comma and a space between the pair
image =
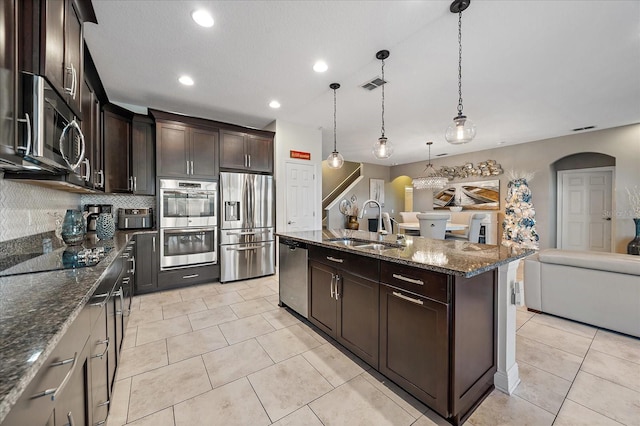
x: 188, y: 223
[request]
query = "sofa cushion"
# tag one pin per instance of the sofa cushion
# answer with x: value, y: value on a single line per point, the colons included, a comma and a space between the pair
x: 613, y: 262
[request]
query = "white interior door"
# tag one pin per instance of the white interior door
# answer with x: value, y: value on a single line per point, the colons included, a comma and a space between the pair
x: 301, y: 196
x: 584, y: 219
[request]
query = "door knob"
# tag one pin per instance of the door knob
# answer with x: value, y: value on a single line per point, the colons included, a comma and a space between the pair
x: 290, y: 222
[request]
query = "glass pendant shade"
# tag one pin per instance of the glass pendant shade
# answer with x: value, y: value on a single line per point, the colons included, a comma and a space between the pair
x: 335, y: 160
x: 462, y: 130
x: 431, y: 178
x: 383, y: 148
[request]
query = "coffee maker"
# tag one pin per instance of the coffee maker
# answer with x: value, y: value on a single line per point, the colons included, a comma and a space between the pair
x: 94, y: 211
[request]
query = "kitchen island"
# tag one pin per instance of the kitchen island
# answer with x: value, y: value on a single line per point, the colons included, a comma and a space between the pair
x: 434, y: 316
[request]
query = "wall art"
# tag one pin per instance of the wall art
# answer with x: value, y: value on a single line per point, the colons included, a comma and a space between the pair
x: 484, y: 195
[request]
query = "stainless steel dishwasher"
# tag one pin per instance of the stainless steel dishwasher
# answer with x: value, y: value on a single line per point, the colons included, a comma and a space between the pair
x: 293, y: 276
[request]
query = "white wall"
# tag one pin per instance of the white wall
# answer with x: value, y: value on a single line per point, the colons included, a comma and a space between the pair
x: 622, y: 143
x: 290, y: 136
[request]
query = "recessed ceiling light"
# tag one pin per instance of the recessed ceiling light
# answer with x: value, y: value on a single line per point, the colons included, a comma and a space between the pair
x: 274, y: 104
x: 186, y: 80
x: 320, y: 66
x: 202, y: 18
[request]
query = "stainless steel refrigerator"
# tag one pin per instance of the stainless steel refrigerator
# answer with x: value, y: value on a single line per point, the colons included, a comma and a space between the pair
x: 247, y: 242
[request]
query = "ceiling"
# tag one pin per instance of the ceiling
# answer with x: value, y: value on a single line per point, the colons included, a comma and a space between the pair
x: 531, y: 69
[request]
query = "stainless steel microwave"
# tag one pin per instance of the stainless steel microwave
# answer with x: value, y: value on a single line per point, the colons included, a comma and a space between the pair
x: 49, y: 135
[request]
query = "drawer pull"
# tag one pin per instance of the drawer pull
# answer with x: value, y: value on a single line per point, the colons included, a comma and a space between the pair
x: 190, y: 276
x: 102, y: 342
x: 410, y: 299
x: 333, y: 259
x: 409, y: 280
x: 54, y: 392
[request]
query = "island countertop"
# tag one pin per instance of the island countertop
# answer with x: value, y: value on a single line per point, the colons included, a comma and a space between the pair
x: 453, y: 257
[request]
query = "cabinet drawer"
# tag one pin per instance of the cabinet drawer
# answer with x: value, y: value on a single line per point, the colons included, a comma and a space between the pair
x: 188, y: 276
x: 354, y: 263
x: 433, y: 285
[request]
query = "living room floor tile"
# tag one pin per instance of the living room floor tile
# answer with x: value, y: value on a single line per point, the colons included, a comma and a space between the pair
x: 195, y: 343
x: 142, y: 358
x: 618, y: 345
x: 572, y: 414
x: 285, y: 387
x: 233, y: 362
x: 551, y: 360
x: 166, y: 386
x: 607, y: 398
x: 566, y: 325
x: 541, y: 388
x: 287, y: 342
x: 359, y: 402
x: 616, y: 370
x: 220, y: 406
x: 501, y: 409
x: 158, y: 330
x: 556, y: 338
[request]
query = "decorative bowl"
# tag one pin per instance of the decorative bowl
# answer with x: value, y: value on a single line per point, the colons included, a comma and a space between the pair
x: 456, y: 209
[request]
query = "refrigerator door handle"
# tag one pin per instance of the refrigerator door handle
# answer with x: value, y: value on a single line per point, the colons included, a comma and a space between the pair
x: 246, y: 248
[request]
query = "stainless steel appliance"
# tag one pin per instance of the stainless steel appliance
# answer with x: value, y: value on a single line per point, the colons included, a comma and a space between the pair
x: 94, y: 211
x: 293, y: 276
x: 135, y: 218
x: 188, y: 223
x: 247, y: 247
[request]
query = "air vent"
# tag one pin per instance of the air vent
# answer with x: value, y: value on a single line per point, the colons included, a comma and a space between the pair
x: 579, y: 129
x: 374, y: 83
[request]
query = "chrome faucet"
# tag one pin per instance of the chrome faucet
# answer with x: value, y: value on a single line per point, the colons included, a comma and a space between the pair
x: 379, y: 213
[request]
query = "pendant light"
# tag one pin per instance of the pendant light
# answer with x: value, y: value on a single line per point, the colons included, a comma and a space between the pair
x: 462, y: 130
x: 335, y: 159
x: 431, y: 179
x: 383, y: 148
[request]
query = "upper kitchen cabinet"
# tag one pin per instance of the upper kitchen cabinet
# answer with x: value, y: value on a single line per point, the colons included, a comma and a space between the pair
x: 185, y: 149
x: 51, y: 44
x: 8, y: 48
x: 143, y: 155
x: 243, y: 151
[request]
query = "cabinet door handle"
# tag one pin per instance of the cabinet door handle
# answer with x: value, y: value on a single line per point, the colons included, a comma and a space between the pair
x: 133, y: 265
x: 333, y: 277
x: 410, y: 299
x: 249, y: 160
x: 87, y: 174
x: 187, y: 166
x: 106, y: 348
x: 154, y: 244
x: 192, y: 167
x: 54, y: 392
x: 135, y: 184
x: 104, y: 301
x: 74, y: 75
x: 26, y: 120
x: 70, y: 418
x: 101, y: 174
x: 333, y: 259
x: 337, y: 284
x: 69, y: 90
x: 409, y: 280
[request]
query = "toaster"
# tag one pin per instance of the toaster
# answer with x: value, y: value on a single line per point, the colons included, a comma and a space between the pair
x: 135, y: 218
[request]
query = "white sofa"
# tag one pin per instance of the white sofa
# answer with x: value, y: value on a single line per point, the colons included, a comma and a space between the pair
x: 601, y: 289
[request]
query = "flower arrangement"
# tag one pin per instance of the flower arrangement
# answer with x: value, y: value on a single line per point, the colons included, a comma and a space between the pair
x: 634, y: 201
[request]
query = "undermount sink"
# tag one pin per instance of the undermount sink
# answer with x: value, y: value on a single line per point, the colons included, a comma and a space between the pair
x: 374, y: 246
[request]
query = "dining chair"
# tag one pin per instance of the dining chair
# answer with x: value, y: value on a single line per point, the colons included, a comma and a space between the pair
x: 472, y: 233
x: 433, y: 225
x: 409, y: 217
x: 386, y: 220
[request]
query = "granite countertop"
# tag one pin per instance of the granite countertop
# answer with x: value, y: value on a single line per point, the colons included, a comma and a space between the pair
x: 451, y: 257
x: 35, y: 312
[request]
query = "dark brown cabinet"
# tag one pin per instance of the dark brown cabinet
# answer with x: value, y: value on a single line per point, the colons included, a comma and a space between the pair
x: 92, y: 168
x: 186, y: 151
x: 247, y: 152
x: 343, y: 299
x: 143, y: 162
x: 8, y: 68
x: 147, y: 265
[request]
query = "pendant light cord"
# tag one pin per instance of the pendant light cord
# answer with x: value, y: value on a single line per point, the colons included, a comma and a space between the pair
x: 383, y: 84
x: 334, y: 121
x: 459, y: 63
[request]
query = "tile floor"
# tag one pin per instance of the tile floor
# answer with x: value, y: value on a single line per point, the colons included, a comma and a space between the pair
x: 228, y: 355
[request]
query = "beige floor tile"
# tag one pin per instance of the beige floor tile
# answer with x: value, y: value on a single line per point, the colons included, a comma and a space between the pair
x: 195, y: 343
x: 229, y: 405
x: 222, y: 299
x: 333, y: 364
x: 522, y: 317
x: 280, y: 318
x: 225, y: 288
x: 231, y: 363
x: 499, y: 409
x: 252, y: 307
x: 211, y: 317
x: 302, y: 417
x: 566, y: 325
x: 273, y: 285
x: 142, y: 358
x: 259, y: 282
x: 541, y: 388
x: 572, y: 414
x: 198, y: 292
x: 273, y: 300
x: 256, y: 292
x: 607, y: 398
x: 130, y: 335
x: 359, y: 402
x: 245, y: 328
x: 135, y: 303
x: 158, y: 330
x: 161, y: 418
x: 556, y: 338
x: 616, y: 370
x: 551, y: 360
x: 285, y: 387
x: 432, y: 419
x: 156, y: 300
x: 618, y: 345
x: 144, y: 316
x: 287, y: 342
x: 178, y: 309
x: 408, y: 403
x: 119, y: 403
x: 161, y: 388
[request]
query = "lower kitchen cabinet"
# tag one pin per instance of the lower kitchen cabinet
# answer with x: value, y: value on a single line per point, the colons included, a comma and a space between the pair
x: 343, y: 301
x: 98, y: 356
x: 147, y: 263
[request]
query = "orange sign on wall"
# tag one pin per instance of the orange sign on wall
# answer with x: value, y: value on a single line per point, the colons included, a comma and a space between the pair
x: 300, y: 154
